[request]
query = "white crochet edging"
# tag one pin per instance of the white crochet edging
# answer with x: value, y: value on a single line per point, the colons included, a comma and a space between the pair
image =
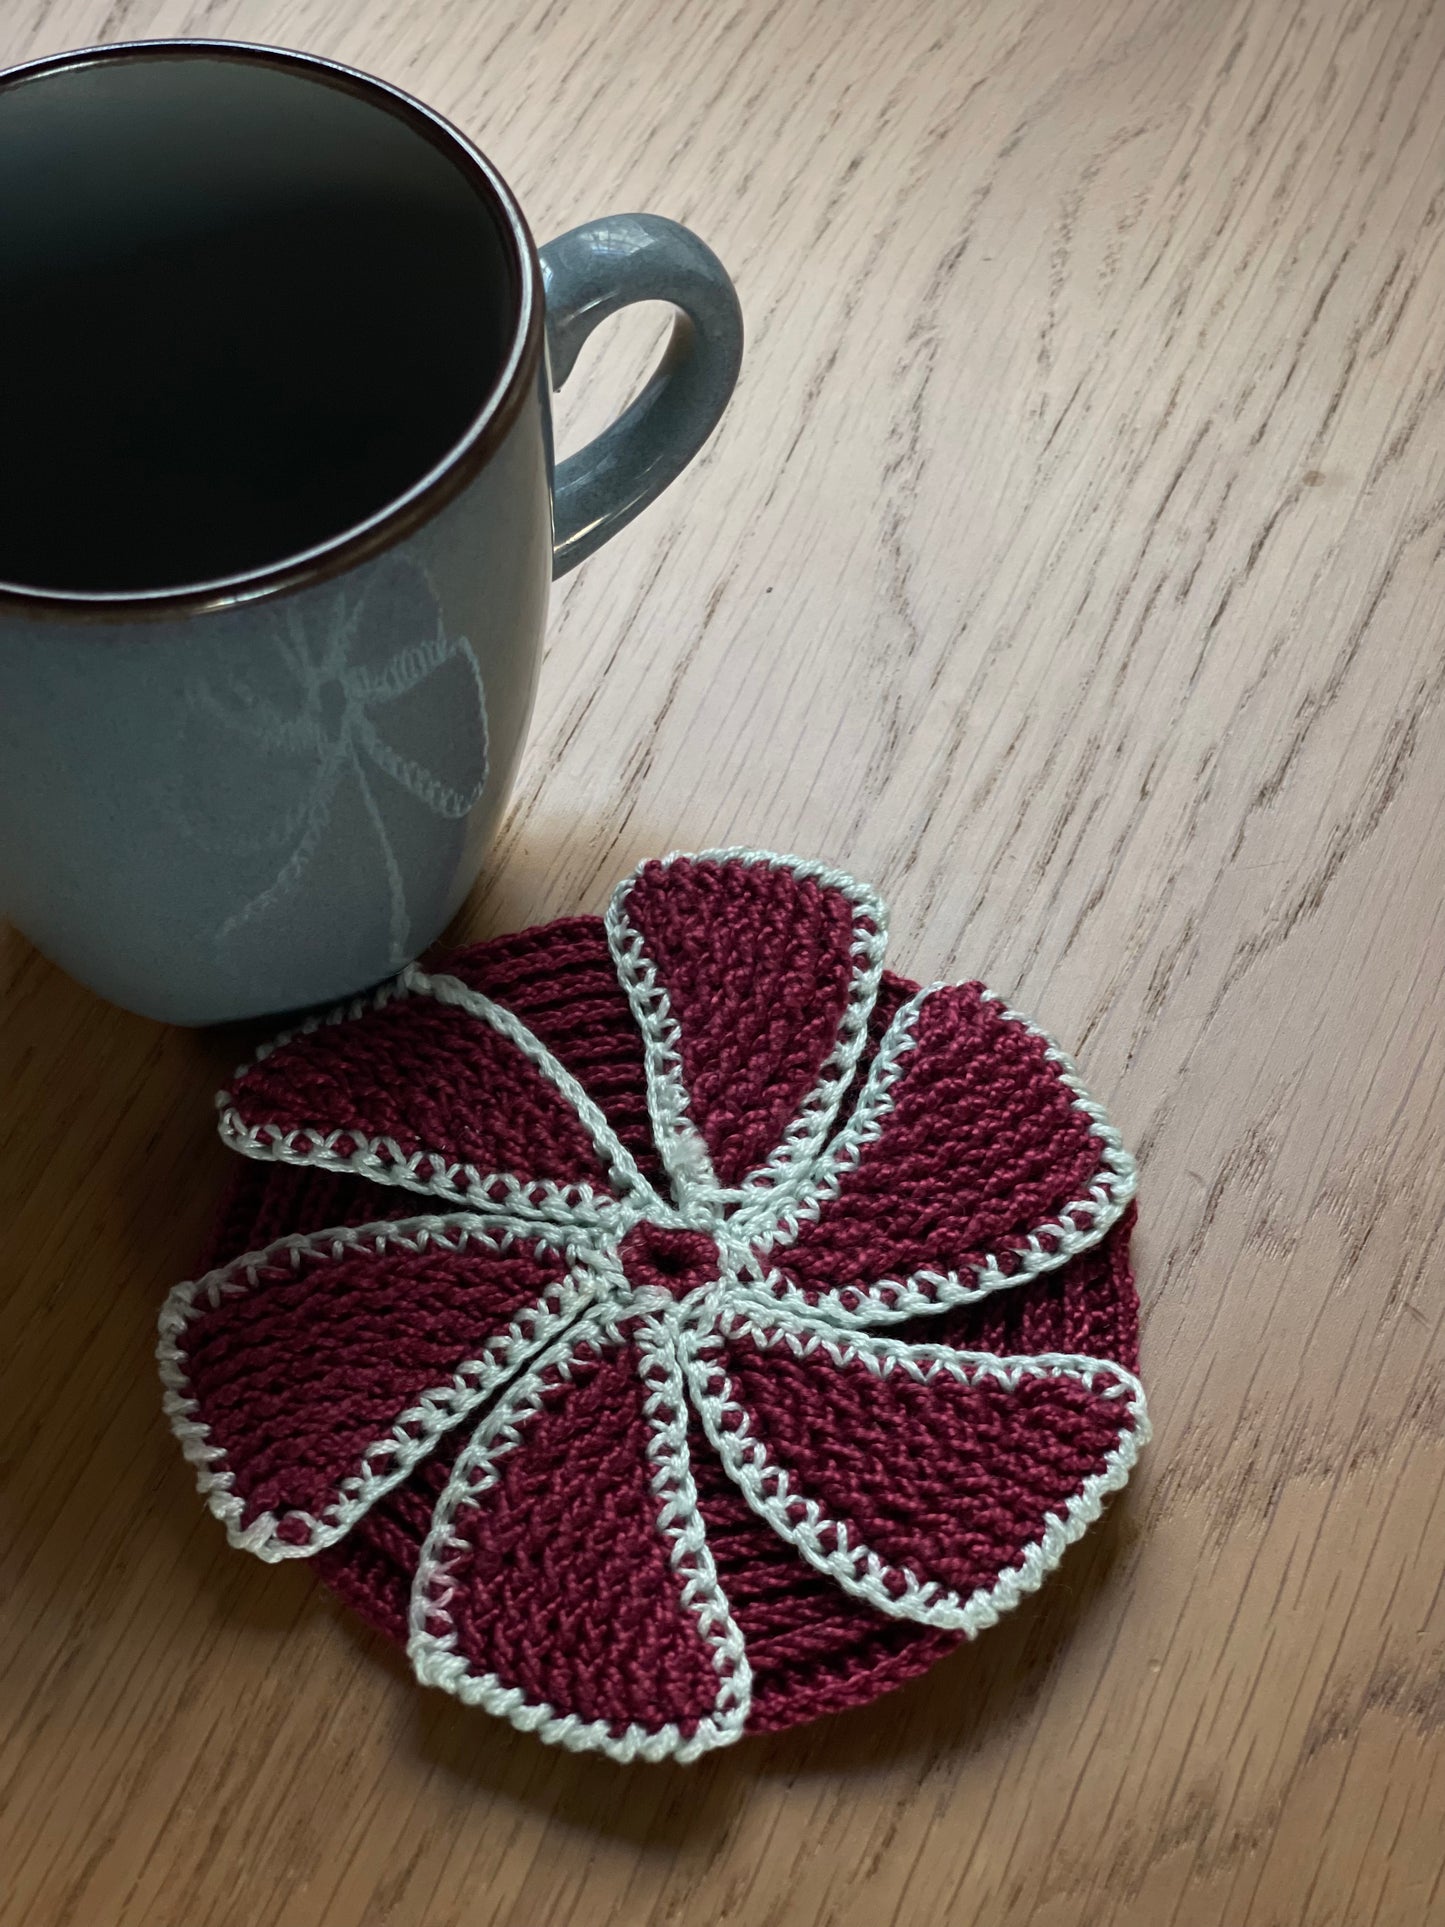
x: 343, y: 1013
x: 778, y: 1216
x: 382, y: 1160
x: 677, y: 1343
x: 434, y: 1655
x: 824, y: 1542
x: 680, y: 1144
x: 389, y: 1459
x: 1080, y: 1224
x: 616, y: 1160
x: 538, y: 1204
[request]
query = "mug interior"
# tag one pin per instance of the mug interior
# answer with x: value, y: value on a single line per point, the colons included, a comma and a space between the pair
x: 245, y: 306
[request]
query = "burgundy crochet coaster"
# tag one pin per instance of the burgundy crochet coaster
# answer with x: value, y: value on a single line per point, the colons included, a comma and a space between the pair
x: 667, y: 1326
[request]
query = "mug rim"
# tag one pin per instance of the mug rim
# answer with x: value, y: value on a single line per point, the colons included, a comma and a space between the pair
x: 446, y: 478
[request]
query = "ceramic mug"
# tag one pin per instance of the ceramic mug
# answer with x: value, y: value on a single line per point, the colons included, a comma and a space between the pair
x: 279, y: 510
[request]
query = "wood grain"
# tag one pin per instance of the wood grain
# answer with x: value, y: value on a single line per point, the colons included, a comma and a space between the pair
x: 1071, y: 563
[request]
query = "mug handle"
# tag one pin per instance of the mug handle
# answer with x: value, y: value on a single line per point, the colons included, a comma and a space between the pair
x: 588, y: 274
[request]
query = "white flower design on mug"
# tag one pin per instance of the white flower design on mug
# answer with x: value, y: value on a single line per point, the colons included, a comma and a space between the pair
x: 324, y: 705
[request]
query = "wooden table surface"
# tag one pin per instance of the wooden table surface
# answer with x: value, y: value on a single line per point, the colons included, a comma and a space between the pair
x: 1070, y: 563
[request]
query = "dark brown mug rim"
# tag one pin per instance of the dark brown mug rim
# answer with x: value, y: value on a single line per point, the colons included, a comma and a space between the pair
x: 440, y: 484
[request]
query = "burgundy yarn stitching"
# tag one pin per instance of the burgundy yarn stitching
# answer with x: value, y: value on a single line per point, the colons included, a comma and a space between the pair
x: 676, y: 1339
x: 382, y: 1160
x: 684, y: 1154
x: 616, y: 1159
x: 433, y: 1652
x: 1080, y: 1223
x: 824, y: 1542
x: 777, y: 1216
x: 417, y: 1429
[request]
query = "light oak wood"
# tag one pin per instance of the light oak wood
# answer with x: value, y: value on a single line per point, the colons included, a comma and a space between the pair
x: 1072, y: 564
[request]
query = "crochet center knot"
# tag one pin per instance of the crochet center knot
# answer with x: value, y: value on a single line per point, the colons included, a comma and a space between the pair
x: 677, y: 1262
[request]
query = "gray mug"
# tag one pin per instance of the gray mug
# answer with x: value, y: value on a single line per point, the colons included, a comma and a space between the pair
x: 279, y: 511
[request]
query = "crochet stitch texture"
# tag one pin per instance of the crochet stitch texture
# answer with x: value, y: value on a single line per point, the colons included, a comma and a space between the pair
x: 770, y: 1328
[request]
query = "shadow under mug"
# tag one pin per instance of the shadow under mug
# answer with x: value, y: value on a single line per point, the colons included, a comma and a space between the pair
x: 279, y: 510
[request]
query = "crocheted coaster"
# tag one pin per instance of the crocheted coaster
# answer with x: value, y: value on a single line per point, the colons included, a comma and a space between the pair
x: 671, y: 1325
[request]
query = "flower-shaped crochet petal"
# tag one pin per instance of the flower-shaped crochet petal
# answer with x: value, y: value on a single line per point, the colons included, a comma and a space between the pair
x: 612, y: 1553
x: 812, y: 1647
x: 430, y: 1085
x: 307, y: 1379
x: 938, y: 1484
x: 972, y: 1159
x: 971, y: 1156
x: 786, y: 1337
x: 751, y: 978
